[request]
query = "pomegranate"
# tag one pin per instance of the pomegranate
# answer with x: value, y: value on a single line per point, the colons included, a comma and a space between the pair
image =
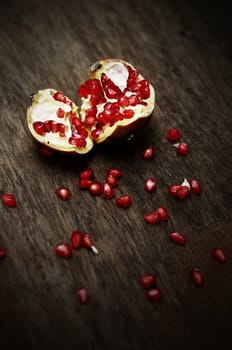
x: 115, y: 102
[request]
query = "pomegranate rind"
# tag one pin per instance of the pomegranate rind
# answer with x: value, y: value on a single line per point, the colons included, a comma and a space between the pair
x: 124, y: 127
x: 44, y: 107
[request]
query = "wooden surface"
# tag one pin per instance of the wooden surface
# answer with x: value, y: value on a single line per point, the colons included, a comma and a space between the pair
x: 184, y: 49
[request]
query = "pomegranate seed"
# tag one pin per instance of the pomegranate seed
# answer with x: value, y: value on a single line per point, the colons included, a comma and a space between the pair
x: 46, y: 151
x: 123, y: 101
x: 64, y: 250
x: 83, y: 295
x: 153, y: 294
x: 9, y: 200
x: 128, y: 113
x: 108, y: 191
x: 85, y: 184
x: 150, y: 184
x: 197, y: 277
x: 87, y: 173
x: 182, y: 148
x: 2, y: 253
x: 39, y: 127
x: 82, y: 91
x: 163, y: 214
x: 87, y: 242
x: 152, y: 217
x: 174, y: 189
x: 173, y: 134
x: 59, y: 96
x: 195, y: 186
x: 147, y: 281
x: 177, y: 238
x: 76, y: 239
x: 63, y: 192
x: 95, y: 188
x: 60, y: 113
x: 114, y: 172
x: 123, y: 201
x: 112, y: 180
x: 219, y: 255
x: 183, y: 192
x: 148, y: 153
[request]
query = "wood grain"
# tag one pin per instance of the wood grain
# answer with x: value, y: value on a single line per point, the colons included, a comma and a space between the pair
x: 184, y: 49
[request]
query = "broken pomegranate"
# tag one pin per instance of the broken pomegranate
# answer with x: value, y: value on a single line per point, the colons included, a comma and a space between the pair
x: 115, y: 102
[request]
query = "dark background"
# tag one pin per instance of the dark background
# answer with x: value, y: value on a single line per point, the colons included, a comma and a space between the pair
x: 184, y: 49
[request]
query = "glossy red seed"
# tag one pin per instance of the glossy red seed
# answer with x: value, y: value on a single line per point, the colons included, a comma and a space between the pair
x: 183, y: 192
x: 197, y: 277
x: 219, y: 255
x: 64, y: 250
x: 39, y: 128
x: 82, y: 91
x: 148, y: 281
x: 152, y: 217
x: 123, y: 101
x: 123, y: 201
x: 173, y: 134
x: 9, y: 200
x: 177, y: 238
x: 150, y: 184
x: 195, y: 186
x: 148, y: 152
x: 87, y: 173
x: 60, y: 113
x: 163, y: 214
x: 76, y: 239
x: 2, y: 253
x: 95, y: 188
x: 112, y: 180
x: 182, y: 148
x: 59, y: 96
x: 114, y: 172
x: 84, y: 183
x: 83, y: 295
x: 108, y: 191
x: 63, y: 192
x: 87, y: 242
x: 173, y: 190
x: 128, y: 113
x: 153, y: 294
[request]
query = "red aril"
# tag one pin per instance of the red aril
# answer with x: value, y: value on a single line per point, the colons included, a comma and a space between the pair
x: 152, y: 217
x: 76, y: 239
x: 83, y: 295
x: 148, y: 281
x: 197, y: 277
x: 163, y: 214
x: 87, y: 173
x: 9, y: 200
x: 219, y: 255
x: 182, y: 148
x: 195, y: 186
x: 177, y: 237
x: 173, y: 134
x: 114, y: 172
x: 112, y: 180
x: 150, y: 184
x: 2, y: 253
x: 183, y: 192
x: 108, y: 191
x: 85, y: 184
x: 95, y: 188
x: 173, y: 190
x: 60, y: 113
x: 87, y: 242
x: 148, y: 152
x: 154, y: 294
x: 63, y: 192
x: 123, y: 201
x: 64, y: 250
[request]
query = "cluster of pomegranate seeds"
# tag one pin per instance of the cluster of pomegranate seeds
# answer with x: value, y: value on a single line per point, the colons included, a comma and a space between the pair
x: 197, y: 277
x: 83, y: 295
x: 9, y: 200
x: 2, y: 253
x: 115, y: 103
x: 183, y: 191
x: 152, y: 292
x: 63, y: 192
x: 79, y: 132
x: 219, y: 255
x: 158, y: 215
x: 177, y: 237
x: 148, y: 152
x: 150, y: 184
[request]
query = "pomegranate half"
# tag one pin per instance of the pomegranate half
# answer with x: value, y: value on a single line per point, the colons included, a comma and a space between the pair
x: 115, y: 102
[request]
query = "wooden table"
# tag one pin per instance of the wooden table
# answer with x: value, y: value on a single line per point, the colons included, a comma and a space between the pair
x: 184, y: 49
